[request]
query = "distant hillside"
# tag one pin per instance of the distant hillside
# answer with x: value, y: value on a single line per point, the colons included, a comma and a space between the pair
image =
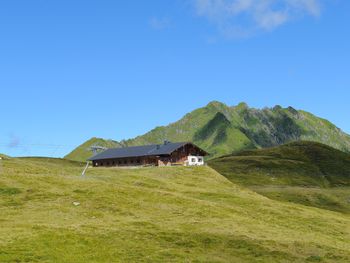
x: 221, y: 129
x: 82, y: 152
x: 303, y: 172
x: 4, y: 156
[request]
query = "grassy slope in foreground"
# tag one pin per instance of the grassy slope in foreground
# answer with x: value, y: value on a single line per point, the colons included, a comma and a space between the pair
x: 304, y: 172
x: 154, y: 215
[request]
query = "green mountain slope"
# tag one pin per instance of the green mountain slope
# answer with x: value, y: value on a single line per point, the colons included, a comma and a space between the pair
x: 178, y: 214
x: 221, y: 129
x: 304, y: 172
x: 82, y: 152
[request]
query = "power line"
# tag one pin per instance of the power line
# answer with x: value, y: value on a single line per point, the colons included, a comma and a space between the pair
x: 36, y: 145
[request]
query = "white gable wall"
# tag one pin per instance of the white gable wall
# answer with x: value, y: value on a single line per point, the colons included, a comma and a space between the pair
x: 195, y: 160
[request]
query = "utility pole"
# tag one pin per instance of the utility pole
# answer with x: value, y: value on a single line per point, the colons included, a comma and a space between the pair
x: 86, y: 167
x: 95, y: 149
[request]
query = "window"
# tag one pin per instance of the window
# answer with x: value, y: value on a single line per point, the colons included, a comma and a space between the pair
x: 193, y: 160
x: 138, y: 161
x: 200, y: 160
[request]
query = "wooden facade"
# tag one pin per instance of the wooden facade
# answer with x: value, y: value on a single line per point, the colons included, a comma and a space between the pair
x: 177, y: 157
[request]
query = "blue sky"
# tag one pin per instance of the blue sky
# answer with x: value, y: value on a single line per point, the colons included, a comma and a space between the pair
x: 71, y: 70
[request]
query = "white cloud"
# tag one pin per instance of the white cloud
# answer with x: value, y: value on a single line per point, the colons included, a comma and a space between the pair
x: 242, y: 17
x: 159, y: 23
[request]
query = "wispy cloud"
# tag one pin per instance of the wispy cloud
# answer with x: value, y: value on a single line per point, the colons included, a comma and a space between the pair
x: 159, y: 23
x: 14, y: 141
x: 244, y: 17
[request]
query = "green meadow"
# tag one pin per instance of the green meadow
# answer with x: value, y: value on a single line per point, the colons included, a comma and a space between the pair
x: 306, y: 173
x: 49, y: 213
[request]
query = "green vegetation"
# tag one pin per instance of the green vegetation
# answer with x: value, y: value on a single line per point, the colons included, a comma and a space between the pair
x: 3, y: 156
x: 308, y: 173
x: 221, y: 130
x: 82, y: 153
x: 48, y: 213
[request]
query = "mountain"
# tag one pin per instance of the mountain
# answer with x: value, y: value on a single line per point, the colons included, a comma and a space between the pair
x: 49, y: 213
x: 83, y: 152
x: 303, y: 172
x: 221, y: 129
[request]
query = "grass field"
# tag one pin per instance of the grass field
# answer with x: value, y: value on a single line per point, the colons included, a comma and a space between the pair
x: 48, y: 213
x: 307, y: 173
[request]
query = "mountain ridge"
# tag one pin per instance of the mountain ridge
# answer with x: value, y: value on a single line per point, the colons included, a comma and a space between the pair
x: 222, y: 129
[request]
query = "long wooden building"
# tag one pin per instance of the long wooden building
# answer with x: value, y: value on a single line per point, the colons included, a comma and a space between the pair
x: 167, y: 154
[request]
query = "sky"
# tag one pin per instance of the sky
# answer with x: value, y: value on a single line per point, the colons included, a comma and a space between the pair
x: 72, y: 70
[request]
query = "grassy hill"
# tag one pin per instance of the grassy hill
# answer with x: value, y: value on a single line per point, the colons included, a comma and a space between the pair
x: 221, y: 129
x: 4, y: 156
x: 48, y: 213
x: 82, y: 152
x: 304, y: 172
